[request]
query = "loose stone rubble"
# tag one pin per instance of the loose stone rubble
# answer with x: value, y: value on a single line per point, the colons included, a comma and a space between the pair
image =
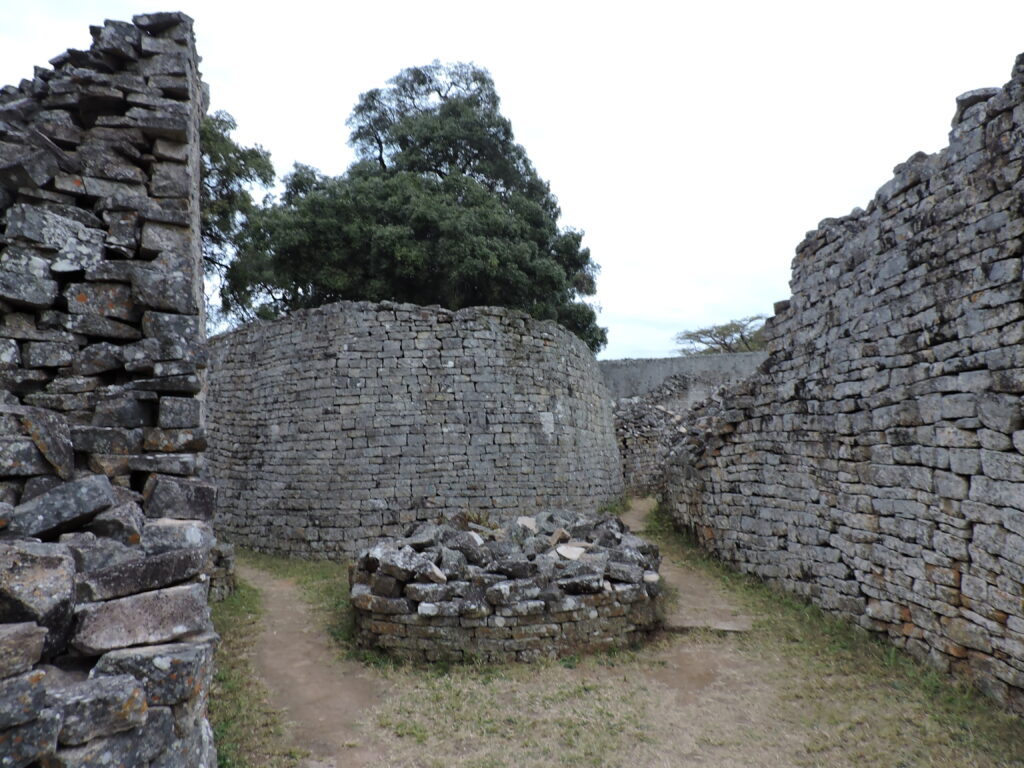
x: 545, y: 586
x: 333, y: 427
x: 106, y: 549
x: 875, y: 463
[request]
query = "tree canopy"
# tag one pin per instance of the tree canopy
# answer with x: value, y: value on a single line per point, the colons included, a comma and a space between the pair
x: 742, y: 335
x: 227, y: 174
x: 441, y: 207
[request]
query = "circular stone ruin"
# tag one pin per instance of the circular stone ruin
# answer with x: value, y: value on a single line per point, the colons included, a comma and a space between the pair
x: 543, y: 587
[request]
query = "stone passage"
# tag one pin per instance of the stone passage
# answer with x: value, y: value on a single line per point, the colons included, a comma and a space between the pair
x: 541, y: 587
x: 105, y: 640
x: 875, y: 464
x: 339, y: 425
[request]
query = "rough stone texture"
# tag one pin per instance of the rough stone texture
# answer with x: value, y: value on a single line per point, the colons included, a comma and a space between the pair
x: 21, y: 646
x: 525, y: 596
x: 101, y: 356
x: 874, y: 464
x: 335, y: 426
x: 698, y: 376
x: 147, y: 618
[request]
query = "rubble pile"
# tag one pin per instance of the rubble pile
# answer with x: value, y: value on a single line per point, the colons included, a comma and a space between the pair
x: 545, y: 586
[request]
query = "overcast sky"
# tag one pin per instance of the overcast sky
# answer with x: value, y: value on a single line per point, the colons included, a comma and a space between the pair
x: 694, y: 143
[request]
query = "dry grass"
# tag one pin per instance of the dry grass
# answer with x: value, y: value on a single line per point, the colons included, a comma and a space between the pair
x: 801, y: 689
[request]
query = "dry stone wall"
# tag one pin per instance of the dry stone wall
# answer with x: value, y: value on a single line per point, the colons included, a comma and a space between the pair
x: 105, y: 546
x: 696, y: 376
x: 339, y: 425
x: 875, y: 464
x: 544, y: 586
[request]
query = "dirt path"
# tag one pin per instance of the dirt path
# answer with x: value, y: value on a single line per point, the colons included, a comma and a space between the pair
x: 701, y: 603
x: 323, y: 697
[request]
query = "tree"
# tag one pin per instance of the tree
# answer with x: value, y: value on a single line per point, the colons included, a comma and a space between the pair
x: 742, y: 335
x: 441, y: 207
x: 228, y: 172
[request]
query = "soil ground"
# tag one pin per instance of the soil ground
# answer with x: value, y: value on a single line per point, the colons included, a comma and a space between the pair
x: 711, y: 694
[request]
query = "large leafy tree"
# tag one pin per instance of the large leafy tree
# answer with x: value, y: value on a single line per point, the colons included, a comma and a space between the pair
x: 442, y: 206
x: 229, y: 172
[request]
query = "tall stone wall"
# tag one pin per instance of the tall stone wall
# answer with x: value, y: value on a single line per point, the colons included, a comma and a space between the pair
x: 105, y: 640
x: 875, y: 464
x: 336, y: 426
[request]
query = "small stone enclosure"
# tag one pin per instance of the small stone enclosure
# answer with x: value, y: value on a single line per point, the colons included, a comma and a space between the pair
x: 544, y: 586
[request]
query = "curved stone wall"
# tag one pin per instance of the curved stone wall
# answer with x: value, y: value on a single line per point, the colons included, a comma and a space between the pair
x: 875, y: 463
x: 336, y: 426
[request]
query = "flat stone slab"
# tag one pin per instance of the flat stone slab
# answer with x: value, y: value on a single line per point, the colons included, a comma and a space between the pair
x: 98, y: 707
x: 170, y: 673
x: 37, y: 585
x: 146, y: 619
x: 66, y: 504
x: 21, y: 646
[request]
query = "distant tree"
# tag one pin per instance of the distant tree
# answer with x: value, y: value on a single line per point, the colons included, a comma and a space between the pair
x: 742, y: 335
x: 441, y: 207
x: 228, y: 173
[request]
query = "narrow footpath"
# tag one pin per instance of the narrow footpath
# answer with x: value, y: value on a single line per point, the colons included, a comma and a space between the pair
x: 321, y: 695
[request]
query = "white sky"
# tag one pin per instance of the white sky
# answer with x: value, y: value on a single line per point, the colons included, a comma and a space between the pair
x: 694, y: 143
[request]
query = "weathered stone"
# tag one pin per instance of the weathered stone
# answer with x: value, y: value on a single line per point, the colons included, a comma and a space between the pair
x: 22, y: 698
x: 143, y: 574
x: 27, y: 291
x: 123, y: 523
x: 23, y: 745
x: 49, y: 431
x: 507, y: 592
x: 122, y: 749
x: 103, y: 299
x: 165, y: 534
x: 92, y: 552
x: 74, y: 502
x: 107, y: 440
x: 48, y: 354
x: 37, y: 585
x: 180, y: 413
x: 145, y: 619
x: 98, y: 358
x: 21, y: 646
x: 170, y: 673
x: 97, y: 707
x: 19, y: 457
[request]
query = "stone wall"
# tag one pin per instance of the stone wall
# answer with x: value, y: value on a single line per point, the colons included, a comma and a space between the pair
x: 875, y: 464
x: 544, y: 586
x: 697, y: 376
x: 105, y: 640
x: 339, y: 425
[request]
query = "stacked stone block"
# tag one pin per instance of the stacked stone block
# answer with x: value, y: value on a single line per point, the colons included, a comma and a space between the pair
x: 336, y: 426
x: 105, y: 639
x: 875, y: 464
x: 545, y: 586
